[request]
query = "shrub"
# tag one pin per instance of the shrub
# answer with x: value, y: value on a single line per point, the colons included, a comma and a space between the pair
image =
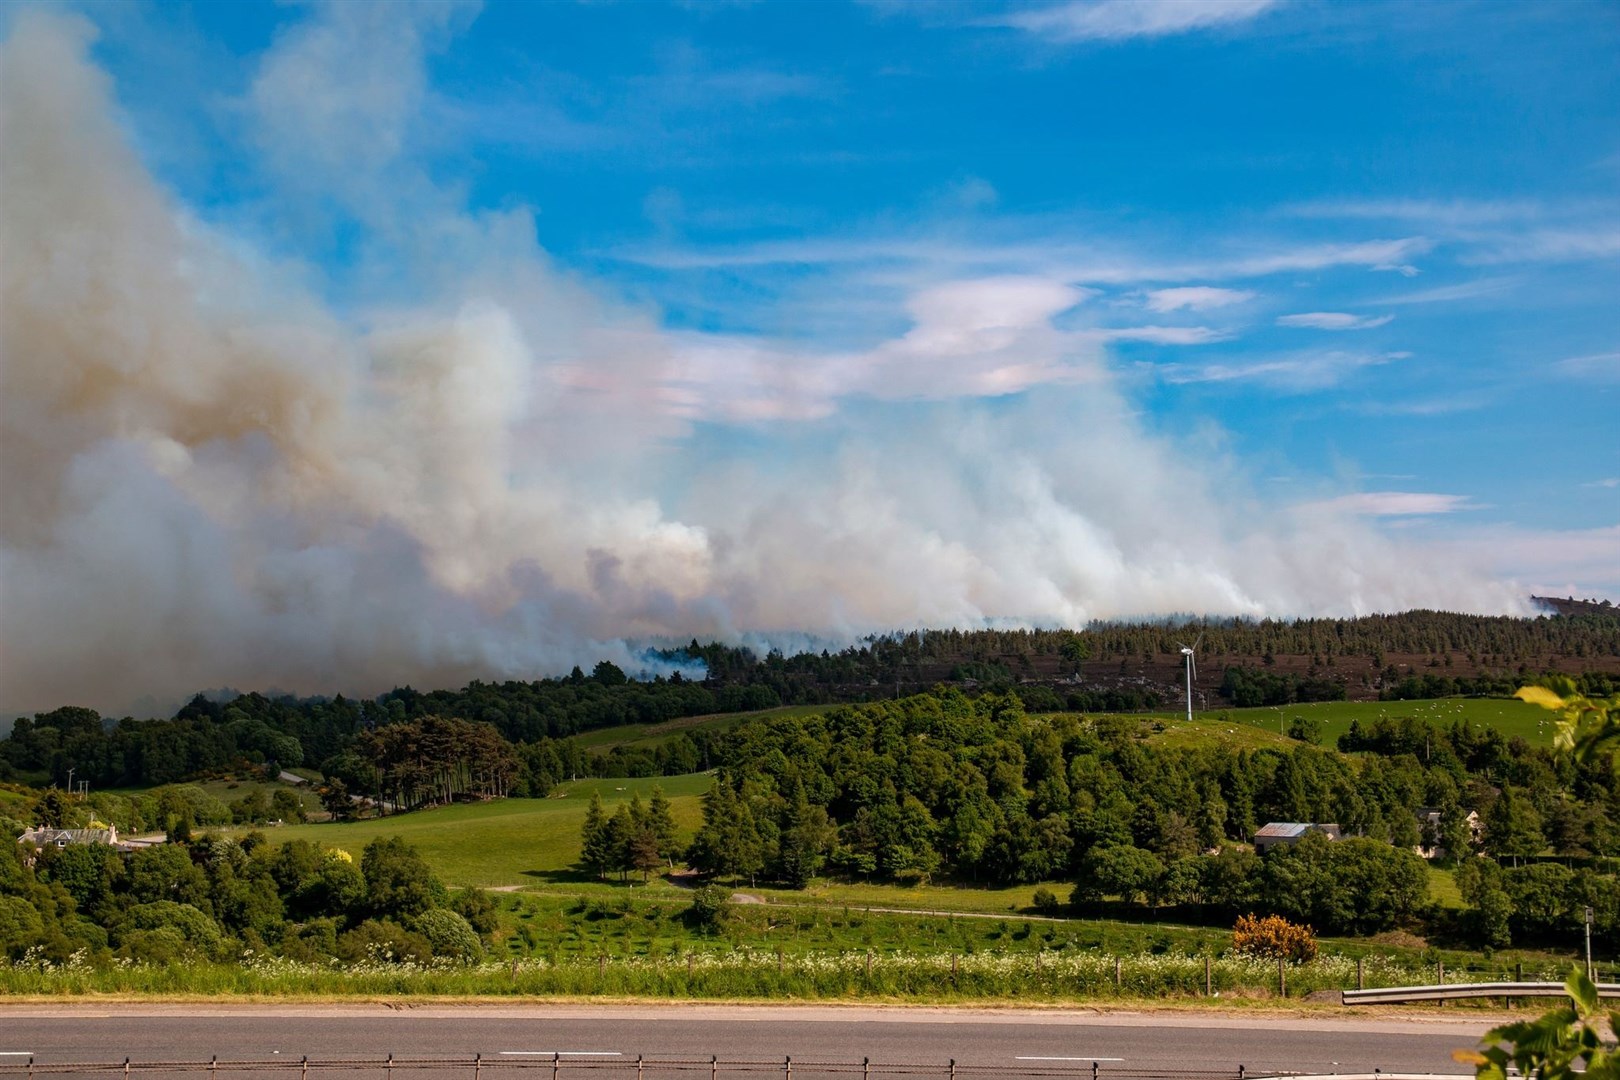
x: 450, y: 935
x: 1046, y: 901
x: 1273, y: 936
x: 709, y: 905
x: 383, y: 941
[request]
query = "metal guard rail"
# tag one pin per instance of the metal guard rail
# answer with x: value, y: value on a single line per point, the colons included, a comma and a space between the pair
x: 556, y: 1066
x: 1392, y: 995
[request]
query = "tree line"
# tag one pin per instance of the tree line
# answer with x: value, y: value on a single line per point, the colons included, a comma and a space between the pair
x: 218, y: 898
x: 975, y: 789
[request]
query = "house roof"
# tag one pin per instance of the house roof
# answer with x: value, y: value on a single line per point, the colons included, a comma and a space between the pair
x: 47, y: 835
x: 1284, y: 830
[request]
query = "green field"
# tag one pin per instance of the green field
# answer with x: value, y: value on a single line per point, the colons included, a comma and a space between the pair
x: 1332, y: 718
x: 508, y: 842
x: 1260, y: 728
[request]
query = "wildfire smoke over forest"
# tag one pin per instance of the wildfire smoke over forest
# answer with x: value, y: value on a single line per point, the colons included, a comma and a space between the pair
x: 220, y: 469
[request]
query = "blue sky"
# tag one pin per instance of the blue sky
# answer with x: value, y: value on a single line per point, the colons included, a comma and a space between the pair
x: 1348, y: 269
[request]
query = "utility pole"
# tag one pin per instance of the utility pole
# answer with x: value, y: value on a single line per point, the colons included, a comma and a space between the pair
x: 70, y: 780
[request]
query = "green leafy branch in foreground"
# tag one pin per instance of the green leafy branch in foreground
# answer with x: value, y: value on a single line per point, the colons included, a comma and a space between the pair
x: 1551, y: 1047
x: 1590, y: 727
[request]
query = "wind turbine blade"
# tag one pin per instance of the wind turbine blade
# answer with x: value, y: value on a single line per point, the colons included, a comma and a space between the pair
x: 1199, y: 640
x: 1193, y: 661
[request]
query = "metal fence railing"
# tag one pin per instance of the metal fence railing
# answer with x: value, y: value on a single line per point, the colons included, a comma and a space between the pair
x: 559, y: 1066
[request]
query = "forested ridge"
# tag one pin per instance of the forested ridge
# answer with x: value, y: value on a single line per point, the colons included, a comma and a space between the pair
x: 1104, y: 668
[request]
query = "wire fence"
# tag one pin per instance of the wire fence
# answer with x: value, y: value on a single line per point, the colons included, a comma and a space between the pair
x: 560, y: 1066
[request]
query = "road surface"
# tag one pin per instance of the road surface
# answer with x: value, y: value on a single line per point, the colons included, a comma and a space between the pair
x: 1121, y: 1042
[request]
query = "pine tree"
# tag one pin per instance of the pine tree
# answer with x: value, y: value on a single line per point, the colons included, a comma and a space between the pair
x: 661, y: 824
x: 620, y: 831
x: 596, y: 847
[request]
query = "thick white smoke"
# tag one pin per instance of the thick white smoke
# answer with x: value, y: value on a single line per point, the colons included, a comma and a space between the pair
x: 212, y: 476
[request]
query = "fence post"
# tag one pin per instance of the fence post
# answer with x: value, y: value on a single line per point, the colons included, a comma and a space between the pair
x: 869, y: 964
x: 556, y: 1063
x: 714, y: 1067
x: 866, y: 1068
x: 30, y: 1067
x: 478, y: 1063
x: 787, y: 1068
x: 1209, y: 982
x: 1282, y: 977
x: 638, y: 1067
x: 1117, y: 973
x: 953, y: 969
x: 1038, y: 960
x: 779, y: 959
x: 1360, y: 982
x: 126, y: 1069
x: 213, y: 1066
x: 1095, y: 1068
x: 303, y: 1064
x: 953, y: 1069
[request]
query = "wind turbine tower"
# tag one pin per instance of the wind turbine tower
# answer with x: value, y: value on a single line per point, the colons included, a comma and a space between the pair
x: 1189, y: 652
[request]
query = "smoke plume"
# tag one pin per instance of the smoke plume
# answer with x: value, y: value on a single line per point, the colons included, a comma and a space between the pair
x: 476, y: 465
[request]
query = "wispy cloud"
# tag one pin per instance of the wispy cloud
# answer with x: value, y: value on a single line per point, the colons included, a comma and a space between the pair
x: 1602, y: 367
x: 1466, y: 290
x: 1396, y: 504
x: 1606, y: 482
x: 1298, y: 373
x: 1577, y: 244
x: 1333, y: 320
x: 1429, y: 213
x: 1194, y: 298
x: 1119, y: 20
x: 1166, y: 335
x: 1076, y: 259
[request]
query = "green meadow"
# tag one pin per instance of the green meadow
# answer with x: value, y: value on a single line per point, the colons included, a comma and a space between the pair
x: 507, y: 842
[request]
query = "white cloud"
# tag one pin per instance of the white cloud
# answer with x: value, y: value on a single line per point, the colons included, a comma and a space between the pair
x: 1396, y: 504
x: 1599, y: 367
x: 1298, y: 372
x: 1466, y: 290
x: 1165, y: 335
x: 1194, y: 298
x: 1606, y: 482
x: 1552, y: 562
x: 1333, y: 320
x: 1118, y: 20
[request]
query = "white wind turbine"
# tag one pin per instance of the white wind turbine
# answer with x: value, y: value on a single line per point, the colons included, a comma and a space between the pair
x: 1192, y: 669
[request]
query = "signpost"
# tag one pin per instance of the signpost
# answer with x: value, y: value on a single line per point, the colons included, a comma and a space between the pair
x: 1589, y: 974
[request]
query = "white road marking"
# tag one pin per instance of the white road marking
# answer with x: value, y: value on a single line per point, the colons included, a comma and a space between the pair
x: 16, y: 1053
x: 1087, y: 1058
x: 561, y: 1053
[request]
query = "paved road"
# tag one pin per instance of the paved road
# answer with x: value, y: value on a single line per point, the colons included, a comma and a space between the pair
x: 1121, y: 1041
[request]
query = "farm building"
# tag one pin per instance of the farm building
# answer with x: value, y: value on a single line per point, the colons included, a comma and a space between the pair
x: 1429, y: 827
x: 1289, y: 833
x: 46, y: 836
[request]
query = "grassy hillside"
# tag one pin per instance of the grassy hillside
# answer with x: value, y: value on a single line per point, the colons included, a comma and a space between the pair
x: 647, y: 736
x: 510, y: 842
x: 1332, y: 718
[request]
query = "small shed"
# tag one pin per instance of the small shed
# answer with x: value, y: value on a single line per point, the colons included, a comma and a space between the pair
x: 1289, y: 833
